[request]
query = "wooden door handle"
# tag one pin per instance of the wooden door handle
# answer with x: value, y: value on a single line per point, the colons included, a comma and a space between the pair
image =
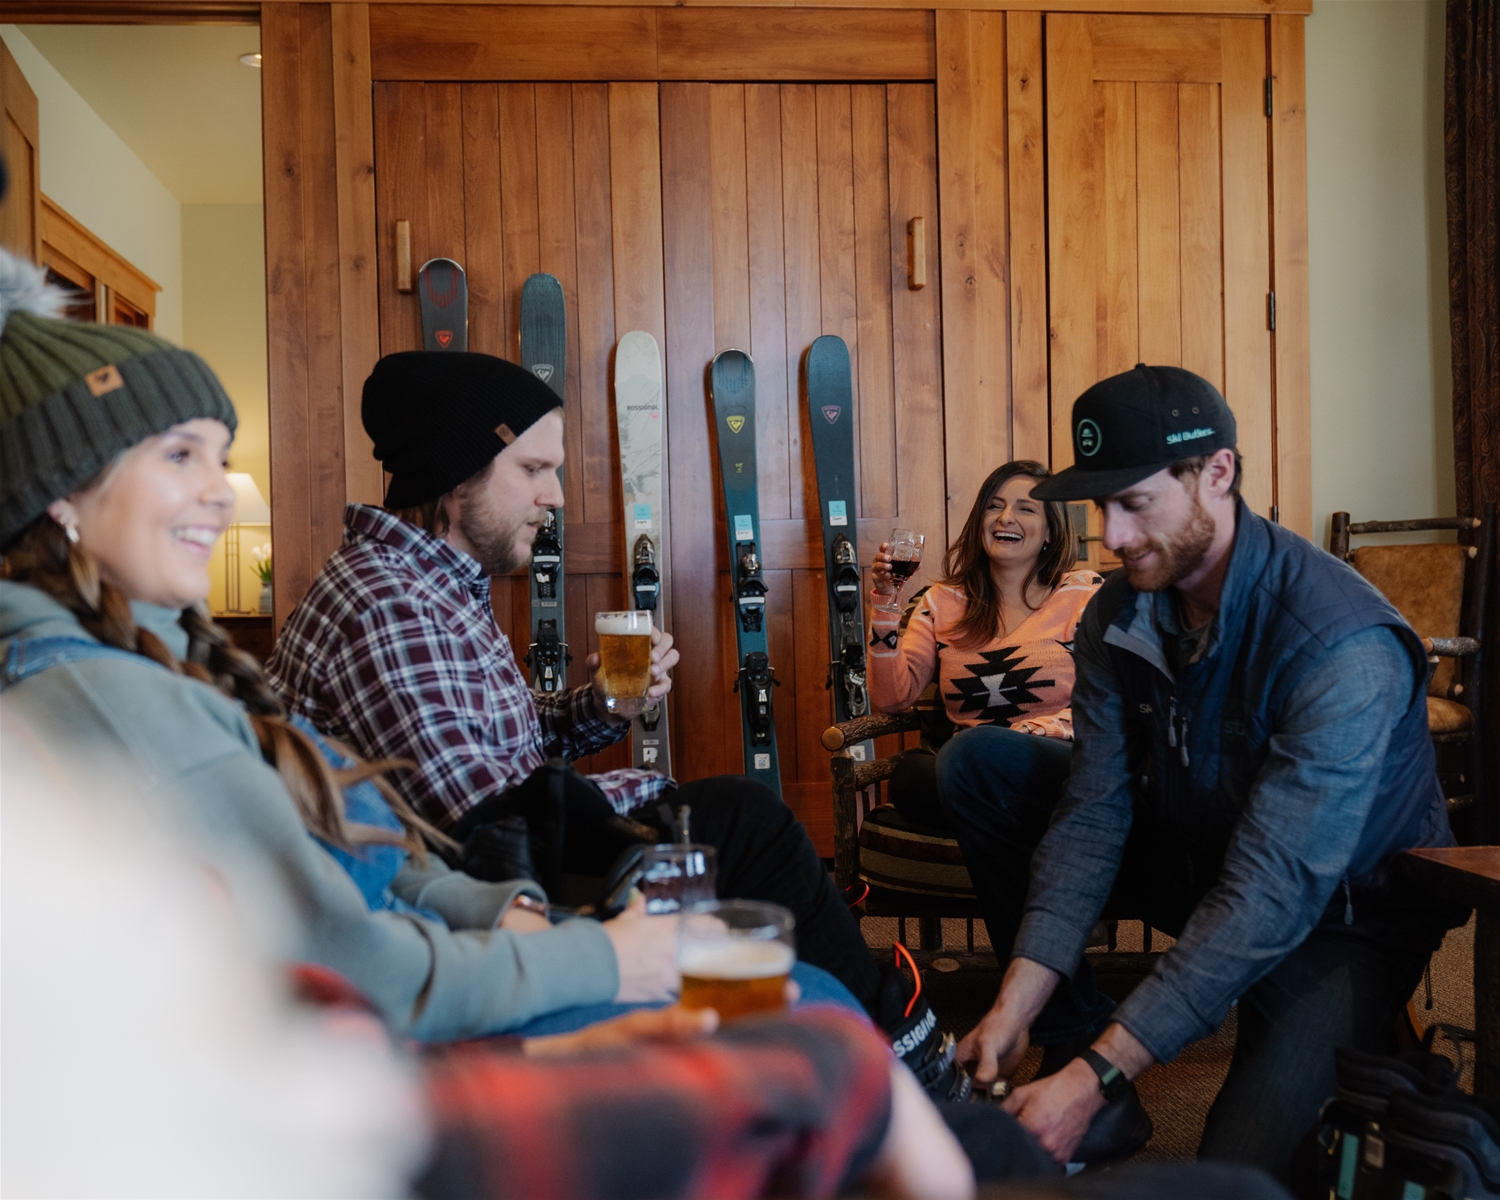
x: 916, y: 251
x: 403, y: 256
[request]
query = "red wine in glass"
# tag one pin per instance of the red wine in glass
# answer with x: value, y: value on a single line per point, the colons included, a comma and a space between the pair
x: 906, y: 557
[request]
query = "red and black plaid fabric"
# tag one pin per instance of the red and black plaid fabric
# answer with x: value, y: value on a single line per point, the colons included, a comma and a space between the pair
x: 395, y: 651
x: 790, y: 1106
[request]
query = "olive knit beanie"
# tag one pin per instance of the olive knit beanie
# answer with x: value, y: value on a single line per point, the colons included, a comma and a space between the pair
x: 75, y: 395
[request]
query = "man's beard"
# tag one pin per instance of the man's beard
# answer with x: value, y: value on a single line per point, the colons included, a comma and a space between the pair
x: 1178, y: 554
x: 494, y: 544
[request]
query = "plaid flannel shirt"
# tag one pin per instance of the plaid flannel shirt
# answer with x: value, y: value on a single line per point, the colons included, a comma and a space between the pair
x: 395, y: 651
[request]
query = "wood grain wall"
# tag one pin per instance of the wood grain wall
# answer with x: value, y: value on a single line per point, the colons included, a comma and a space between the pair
x: 680, y: 176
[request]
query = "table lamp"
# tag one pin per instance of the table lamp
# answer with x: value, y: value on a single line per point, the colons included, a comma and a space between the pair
x: 250, y: 508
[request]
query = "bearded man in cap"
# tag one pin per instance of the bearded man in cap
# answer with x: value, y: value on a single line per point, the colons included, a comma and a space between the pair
x: 1250, y: 749
x: 395, y: 651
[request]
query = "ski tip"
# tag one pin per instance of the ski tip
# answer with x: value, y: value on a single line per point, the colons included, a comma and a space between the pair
x: 732, y: 356
x: 638, y: 341
x: 541, y: 282
x: 828, y: 343
x: 451, y: 264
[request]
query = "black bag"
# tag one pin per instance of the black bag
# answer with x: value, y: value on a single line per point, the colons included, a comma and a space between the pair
x: 557, y: 828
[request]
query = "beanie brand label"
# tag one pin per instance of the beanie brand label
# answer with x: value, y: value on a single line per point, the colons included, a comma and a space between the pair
x: 104, y: 380
x: 1192, y: 434
x: 503, y: 432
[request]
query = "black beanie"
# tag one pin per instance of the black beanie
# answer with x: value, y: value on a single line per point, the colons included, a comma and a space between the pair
x: 438, y: 416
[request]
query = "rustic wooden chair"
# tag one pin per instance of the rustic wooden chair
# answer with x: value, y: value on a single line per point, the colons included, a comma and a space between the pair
x: 1444, y: 592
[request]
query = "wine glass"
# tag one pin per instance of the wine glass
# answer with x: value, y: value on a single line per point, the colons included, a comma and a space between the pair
x: 906, y: 557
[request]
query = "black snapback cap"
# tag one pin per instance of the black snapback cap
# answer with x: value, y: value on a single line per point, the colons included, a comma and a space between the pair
x: 1133, y: 425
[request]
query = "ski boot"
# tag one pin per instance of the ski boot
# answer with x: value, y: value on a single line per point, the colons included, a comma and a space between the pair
x: 912, y: 1026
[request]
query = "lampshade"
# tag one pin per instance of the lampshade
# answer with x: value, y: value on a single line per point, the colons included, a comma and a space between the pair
x: 250, y: 507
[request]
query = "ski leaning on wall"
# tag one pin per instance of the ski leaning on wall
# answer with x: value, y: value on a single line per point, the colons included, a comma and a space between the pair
x: 642, y: 426
x: 443, y: 292
x: 544, y: 352
x: 733, y: 385
x: 830, y: 402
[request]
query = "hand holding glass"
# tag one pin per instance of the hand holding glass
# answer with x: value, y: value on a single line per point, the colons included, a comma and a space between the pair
x: 906, y: 557
x: 735, y: 956
x: 624, y: 661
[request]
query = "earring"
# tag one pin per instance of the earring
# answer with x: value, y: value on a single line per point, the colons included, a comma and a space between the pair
x: 70, y: 528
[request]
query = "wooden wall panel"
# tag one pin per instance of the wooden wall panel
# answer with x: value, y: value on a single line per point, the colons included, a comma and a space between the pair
x: 972, y: 148
x: 1031, y: 435
x: 20, y: 137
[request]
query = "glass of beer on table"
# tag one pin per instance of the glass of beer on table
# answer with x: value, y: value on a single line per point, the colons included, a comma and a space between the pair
x: 735, y: 956
x: 625, y: 661
x: 677, y: 875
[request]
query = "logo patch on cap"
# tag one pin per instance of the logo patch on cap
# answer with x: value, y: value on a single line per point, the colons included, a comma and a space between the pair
x: 104, y: 380
x: 543, y: 371
x: 1191, y: 435
x: 1088, y: 438
x: 503, y: 432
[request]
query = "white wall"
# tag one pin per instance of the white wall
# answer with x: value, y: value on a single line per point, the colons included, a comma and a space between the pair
x: 99, y: 180
x: 1381, y: 384
x: 224, y: 320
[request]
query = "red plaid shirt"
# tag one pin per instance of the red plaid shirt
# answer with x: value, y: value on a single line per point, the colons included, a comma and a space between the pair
x: 395, y: 651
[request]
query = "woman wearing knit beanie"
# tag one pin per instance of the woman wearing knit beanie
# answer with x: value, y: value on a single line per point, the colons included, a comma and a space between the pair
x: 112, y: 493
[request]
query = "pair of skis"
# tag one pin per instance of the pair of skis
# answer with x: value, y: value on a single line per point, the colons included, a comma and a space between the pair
x: 830, y: 398
x: 443, y: 292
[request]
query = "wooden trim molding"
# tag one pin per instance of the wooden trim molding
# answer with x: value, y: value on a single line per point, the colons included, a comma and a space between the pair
x: 517, y: 43
x: 1224, y: 8
x: 63, y: 235
x: 1292, y: 339
x: 131, y: 12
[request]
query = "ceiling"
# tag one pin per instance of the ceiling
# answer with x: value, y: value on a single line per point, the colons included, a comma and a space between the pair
x: 176, y: 94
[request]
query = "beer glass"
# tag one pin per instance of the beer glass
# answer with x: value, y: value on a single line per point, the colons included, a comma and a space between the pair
x: 677, y: 875
x: 625, y: 661
x: 735, y: 956
x: 906, y: 557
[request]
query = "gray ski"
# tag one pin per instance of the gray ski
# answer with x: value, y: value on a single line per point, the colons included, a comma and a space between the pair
x: 544, y: 352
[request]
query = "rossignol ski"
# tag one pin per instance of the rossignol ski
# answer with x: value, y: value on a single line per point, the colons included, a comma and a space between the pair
x: 444, y: 295
x: 642, y: 425
x: 544, y: 352
x: 733, y: 383
x: 830, y: 402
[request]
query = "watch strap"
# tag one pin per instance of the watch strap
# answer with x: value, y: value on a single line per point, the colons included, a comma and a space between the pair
x: 1112, y: 1081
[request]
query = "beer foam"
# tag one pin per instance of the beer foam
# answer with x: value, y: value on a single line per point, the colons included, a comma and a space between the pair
x: 623, y: 623
x: 735, y: 958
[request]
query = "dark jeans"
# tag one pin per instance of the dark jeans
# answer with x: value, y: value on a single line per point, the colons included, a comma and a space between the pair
x: 763, y: 854
x: 1340, y: 987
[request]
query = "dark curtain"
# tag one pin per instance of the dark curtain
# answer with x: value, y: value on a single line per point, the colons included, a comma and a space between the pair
x: 1471, y: 135
x: 1471, y: 144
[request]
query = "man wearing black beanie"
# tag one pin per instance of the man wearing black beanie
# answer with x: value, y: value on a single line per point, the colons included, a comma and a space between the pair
x: 395, y: 651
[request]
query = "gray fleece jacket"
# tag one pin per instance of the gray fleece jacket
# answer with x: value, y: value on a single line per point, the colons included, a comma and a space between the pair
x: 195, y: 746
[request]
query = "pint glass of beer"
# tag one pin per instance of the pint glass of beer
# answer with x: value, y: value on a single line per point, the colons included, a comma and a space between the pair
x: 677, y: 875
x: 735, y: 956
x: 625, y: 660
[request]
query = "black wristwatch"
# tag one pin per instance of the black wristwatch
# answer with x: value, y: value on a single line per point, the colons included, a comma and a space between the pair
x: 1112, y: 1081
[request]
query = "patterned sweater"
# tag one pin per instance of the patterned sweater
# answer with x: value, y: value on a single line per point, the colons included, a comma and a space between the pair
x: 1023, y: 679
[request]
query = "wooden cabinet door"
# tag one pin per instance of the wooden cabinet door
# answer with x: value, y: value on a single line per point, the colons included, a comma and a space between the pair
x: 1159, y: 239
x: 785, y: 211
x: 510, y: 179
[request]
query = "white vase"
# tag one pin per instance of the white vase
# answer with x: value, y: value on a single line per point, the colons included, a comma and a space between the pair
x: 265, y: 599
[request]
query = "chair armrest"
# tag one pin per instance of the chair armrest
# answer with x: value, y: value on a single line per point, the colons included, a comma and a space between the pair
x: 858, y: 729
x: 1457, y: 647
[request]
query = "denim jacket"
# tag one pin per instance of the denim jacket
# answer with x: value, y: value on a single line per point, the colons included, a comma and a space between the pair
x: 1272, y: 779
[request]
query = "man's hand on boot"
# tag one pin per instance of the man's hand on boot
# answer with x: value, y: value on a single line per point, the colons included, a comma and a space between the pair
x: 1000, y: 1041
x: 1057, y: 1110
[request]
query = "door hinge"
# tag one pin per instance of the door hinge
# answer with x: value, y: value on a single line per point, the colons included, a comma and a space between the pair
x: 1269, y: 103
x: 1271, y: 311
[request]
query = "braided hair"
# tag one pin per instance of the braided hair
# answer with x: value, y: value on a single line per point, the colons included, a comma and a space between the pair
x: 42, y: 556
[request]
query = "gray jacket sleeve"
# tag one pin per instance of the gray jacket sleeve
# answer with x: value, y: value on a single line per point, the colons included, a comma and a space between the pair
x: 1292, y: 846
x: 461, y: 900
x: 428, y: 981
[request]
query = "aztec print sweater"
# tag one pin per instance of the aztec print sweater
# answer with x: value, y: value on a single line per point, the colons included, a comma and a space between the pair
x: 1022, y: 679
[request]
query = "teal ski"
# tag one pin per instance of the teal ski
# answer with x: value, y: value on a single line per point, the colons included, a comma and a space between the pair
x: 830, y: 403
x: 544, y: 352
x: 733, y: 385
x: 642, y: 426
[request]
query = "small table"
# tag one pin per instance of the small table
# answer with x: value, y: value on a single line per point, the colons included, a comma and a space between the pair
x: 1470, y: 875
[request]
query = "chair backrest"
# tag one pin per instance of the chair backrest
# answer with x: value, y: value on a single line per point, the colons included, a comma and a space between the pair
x: 1426, y: 584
